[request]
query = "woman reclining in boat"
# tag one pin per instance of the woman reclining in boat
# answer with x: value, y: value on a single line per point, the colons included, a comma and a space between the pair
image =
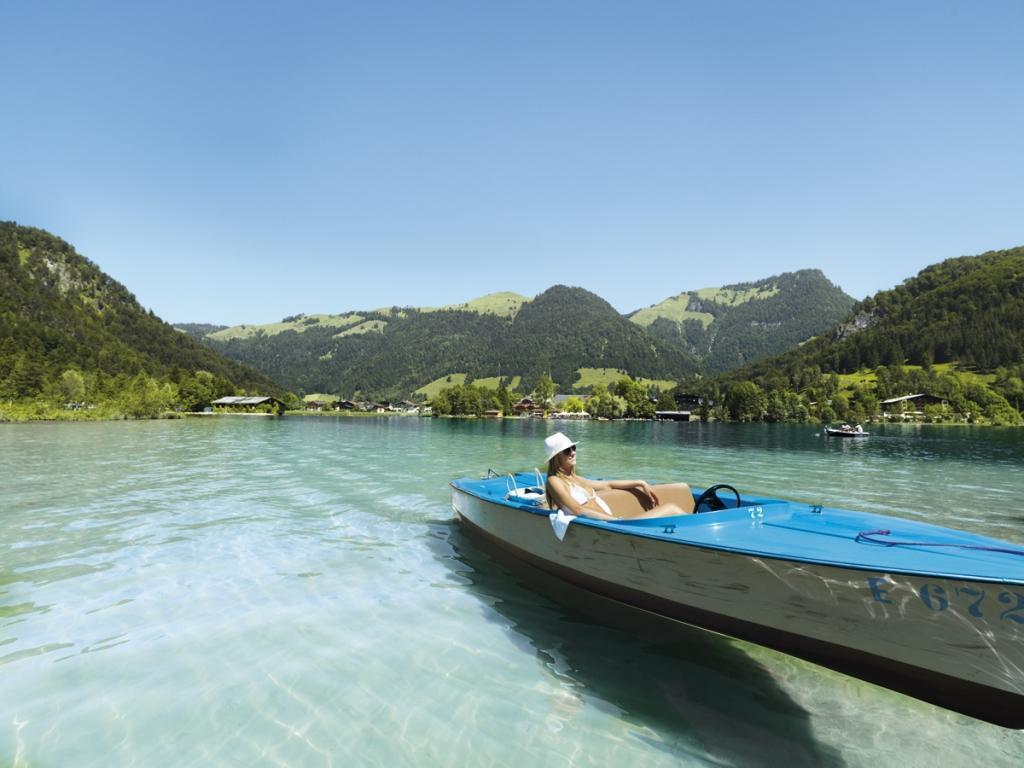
x: 577, y: 495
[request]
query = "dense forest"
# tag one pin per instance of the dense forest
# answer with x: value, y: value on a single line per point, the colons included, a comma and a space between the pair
x: 390, y: 353
x: 70, y: 336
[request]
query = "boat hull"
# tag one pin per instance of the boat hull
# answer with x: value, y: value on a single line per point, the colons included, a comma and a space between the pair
x: 882, y: 627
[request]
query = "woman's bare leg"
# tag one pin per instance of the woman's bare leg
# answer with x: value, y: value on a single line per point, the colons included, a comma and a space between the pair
x: 662, y: 510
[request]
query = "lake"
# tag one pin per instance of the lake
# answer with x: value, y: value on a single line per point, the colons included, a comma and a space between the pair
x: 259, y: 591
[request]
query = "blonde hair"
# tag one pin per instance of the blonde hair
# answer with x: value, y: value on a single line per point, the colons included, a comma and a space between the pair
x: 554, y: 470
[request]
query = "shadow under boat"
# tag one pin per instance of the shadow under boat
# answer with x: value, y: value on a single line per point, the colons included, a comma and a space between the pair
x: 687, y: 684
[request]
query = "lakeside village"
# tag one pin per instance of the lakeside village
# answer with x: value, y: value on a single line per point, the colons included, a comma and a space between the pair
x: 890, y: 395
x: 895, y: 394
x: 906, y: 408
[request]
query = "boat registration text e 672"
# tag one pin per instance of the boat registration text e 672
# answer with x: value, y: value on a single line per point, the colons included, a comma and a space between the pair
x: 970, y: 599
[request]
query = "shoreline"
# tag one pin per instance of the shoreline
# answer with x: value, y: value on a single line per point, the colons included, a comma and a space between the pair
x: 74, y: 417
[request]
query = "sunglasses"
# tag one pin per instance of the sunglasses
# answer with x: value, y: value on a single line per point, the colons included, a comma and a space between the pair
x: 570, y: 449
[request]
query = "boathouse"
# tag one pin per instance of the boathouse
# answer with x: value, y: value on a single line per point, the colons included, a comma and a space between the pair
x: 672, y: 415
x: 249, y: 403
x: 909, y: 405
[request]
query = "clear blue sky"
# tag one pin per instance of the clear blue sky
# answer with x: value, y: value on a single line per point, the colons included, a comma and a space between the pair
x: 238, y: 162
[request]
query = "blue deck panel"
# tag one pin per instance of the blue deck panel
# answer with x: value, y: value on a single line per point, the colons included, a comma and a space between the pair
x: 796, y: 531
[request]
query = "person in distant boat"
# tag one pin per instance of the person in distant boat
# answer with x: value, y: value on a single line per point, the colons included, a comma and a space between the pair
x: 858, y: 428
x: 577, y: 495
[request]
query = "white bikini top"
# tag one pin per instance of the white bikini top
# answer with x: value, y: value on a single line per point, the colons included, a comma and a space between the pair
x: 581, y: 496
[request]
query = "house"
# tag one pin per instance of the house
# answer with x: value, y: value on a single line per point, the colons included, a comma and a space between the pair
x: 493, y: 413
x: 672, y: 415
x: 570, y: 415
x: 345, y: 405
x: 528, y: 407
x: 909, y: 405
x: 689, y: 402
x: 249, y: 403
x: 524, y: 406
x: 313, y: 405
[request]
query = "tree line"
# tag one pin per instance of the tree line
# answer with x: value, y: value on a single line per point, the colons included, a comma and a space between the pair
x: 817, y: 396
x: 626, y: 398
x: 820, y: 397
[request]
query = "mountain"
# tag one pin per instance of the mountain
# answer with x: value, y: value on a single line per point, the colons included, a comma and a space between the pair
x: 394, y: 351
x: 385, y: 352
x: 64, y: 323
x: 736, y: 324
x: 953, y: 334
x: 968, y: 310
x: 391, y: 352
x: 565, y: 329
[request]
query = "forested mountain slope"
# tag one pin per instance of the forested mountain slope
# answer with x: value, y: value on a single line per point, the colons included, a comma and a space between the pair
x: 392, y: 352
x: 730, y: 326
x: 64, y: 322
x: 967, y: 310
x: 389, y: 353
x: 565, y: 329
x: 378, y: 355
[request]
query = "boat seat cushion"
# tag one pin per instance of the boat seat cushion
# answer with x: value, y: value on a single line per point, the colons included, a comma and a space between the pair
x: 627, y: 504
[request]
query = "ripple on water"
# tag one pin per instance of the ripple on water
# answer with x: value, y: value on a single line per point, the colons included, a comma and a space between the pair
x: 225, y: 592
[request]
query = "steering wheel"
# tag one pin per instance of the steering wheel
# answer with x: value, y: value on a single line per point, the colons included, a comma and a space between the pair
x: 710, y: 497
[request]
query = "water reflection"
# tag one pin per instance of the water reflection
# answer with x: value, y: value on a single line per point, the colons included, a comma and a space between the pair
x: 687, y: 692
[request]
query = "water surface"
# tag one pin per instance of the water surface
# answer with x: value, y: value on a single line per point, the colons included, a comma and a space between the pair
x: 255, y: 591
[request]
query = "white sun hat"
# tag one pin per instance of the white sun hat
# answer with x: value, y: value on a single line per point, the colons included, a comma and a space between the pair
x: 555, y: 444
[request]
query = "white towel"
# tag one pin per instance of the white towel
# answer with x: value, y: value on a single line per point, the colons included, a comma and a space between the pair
x: 560, y: 522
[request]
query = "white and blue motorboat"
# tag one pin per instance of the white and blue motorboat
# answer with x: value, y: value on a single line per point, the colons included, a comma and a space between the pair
x: 845, y: 432
x: 931, y: 612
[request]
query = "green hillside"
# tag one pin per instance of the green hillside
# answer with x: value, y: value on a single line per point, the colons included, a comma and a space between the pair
x: 404, y: 350
x: 297, y: 323
x: 955, y: 331
x: 198, y: 330
x: 431, y: 389
x: 734, y: 325
x: 503, y: 304
x: 395, y: 351
x: 68, y: 332
x: 676, y: 309
x: 609, y: 377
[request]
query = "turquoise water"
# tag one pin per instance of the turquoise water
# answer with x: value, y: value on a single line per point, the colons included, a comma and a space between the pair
x: 254, y: 591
